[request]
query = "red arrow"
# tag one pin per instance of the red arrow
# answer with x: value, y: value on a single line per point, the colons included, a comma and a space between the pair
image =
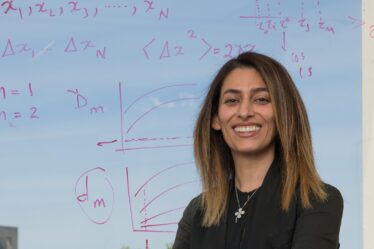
x: 110, y: 142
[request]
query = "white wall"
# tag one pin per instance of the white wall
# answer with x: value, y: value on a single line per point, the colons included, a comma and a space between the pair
x: 368, y: 116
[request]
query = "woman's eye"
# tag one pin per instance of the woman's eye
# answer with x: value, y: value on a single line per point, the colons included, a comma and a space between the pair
x: 262, y: 100
x: 231, y: 101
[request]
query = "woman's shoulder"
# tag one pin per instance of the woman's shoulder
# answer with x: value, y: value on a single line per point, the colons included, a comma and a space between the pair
x: 332, y: 192
x: 185, y: 225
x: 332, y: 203
x: 193, y: 206
x: 324, y: 214
x: 334, y: 197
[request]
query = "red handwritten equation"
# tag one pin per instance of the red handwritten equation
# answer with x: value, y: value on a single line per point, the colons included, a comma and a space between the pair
x: 44, y: 9
x: 72, y: 46
x: 81, y: 102
x: 165, y: 49
x: 148, y: 7
x: 12, y: 116
x: 94, y: 194
x: 79, y: 9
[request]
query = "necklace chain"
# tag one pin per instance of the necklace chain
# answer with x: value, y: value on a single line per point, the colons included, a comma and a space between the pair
x: 241, y: 212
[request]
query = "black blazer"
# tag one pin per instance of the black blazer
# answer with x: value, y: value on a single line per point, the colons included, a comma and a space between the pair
x: 299, y: 228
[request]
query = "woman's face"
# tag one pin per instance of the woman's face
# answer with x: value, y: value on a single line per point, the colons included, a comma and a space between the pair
x: 245, y: 113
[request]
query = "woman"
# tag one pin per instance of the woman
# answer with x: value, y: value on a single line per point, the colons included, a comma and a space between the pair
x: 254, y: 153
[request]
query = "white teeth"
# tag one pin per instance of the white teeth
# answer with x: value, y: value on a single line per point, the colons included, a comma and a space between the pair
x: 247, y: 128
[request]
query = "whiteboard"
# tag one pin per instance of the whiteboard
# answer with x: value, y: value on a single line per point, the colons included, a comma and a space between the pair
x: 98, y: 101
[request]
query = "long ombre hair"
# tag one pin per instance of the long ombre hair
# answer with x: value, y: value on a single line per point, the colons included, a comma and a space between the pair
x: 213, y: 156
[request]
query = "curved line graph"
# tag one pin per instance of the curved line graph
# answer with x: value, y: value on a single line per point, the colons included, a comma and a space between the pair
x: 155, y: 90
x: 160, y: 214
x: 155, y: 107
x: 127, y: 129
x: 158, y: 173
x: 164, y: 192
x: 142, y: 225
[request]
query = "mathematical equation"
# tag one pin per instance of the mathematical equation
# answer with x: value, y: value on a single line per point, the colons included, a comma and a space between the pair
x: 12, y: 116
x: 41, y: 8
x: 12, y: 48
x: 32, y: 113
x: 148, y: 7
x: 164, y: 49
x: 75, y: 8
x: 96, y: 203
x: 168, y: 50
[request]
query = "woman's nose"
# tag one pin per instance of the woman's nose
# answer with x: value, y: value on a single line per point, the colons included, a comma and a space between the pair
x: 245, y: 110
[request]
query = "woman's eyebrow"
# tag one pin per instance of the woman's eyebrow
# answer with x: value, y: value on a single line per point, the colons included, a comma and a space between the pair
x: 259, y: 89
x: 231, y: 90
x: 238, y: 91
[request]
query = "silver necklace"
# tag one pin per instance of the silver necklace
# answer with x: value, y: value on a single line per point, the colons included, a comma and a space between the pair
x: 240, y: 211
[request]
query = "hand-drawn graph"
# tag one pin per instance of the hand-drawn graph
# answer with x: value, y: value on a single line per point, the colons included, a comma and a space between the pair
x: 127, y: 142
x: 94, y: 192
x: 145, y: 215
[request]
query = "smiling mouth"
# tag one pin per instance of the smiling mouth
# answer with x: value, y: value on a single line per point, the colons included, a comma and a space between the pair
x: 247, y: 128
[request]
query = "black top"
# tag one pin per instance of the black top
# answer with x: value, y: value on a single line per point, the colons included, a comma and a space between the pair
x: 236, y: 227
x: 270, y: 227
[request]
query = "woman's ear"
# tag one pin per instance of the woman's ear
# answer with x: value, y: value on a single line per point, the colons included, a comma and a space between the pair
x: 215, y: 123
